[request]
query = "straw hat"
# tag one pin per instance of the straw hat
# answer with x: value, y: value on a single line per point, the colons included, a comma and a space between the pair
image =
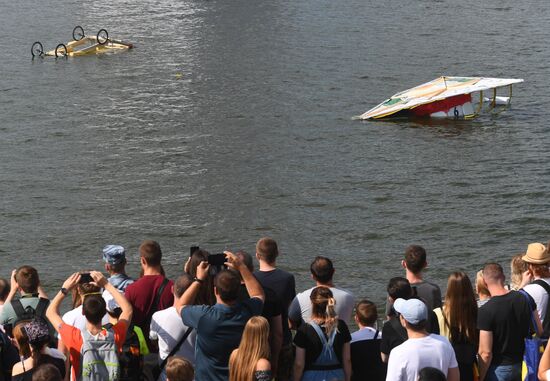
x: 536, y: 254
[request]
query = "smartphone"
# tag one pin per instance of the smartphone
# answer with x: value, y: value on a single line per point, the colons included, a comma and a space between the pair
x: 217, y: 259
x: 85, y: 278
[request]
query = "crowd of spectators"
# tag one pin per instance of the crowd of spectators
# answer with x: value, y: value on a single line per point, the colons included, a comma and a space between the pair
x: 221, y: 319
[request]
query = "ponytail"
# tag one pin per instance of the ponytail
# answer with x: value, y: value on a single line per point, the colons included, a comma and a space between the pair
x: 331, y: 318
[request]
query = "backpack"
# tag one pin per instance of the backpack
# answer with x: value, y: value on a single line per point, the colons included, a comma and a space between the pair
x: 26, y: 314
x: 130, y: 357
x: 98, y: 357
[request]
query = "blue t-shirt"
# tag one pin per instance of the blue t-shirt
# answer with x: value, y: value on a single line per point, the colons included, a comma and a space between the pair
x: 219, y: 330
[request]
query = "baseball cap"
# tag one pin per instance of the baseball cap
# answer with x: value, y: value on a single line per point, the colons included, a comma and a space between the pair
x: 114, y: 254
x: 413, y: 310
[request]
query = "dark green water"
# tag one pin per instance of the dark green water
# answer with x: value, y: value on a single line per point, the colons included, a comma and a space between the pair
x: 232, y: 120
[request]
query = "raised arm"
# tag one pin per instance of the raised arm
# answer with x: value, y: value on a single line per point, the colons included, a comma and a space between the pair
x: 254, y: 288
x: 14, y: 287
x: 192, y: 291
x: 52, y: 313
x: 119, y: 298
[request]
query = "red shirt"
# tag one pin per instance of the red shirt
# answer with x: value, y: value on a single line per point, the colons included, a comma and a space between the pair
x: 72, y: 338
x: 141, y: 295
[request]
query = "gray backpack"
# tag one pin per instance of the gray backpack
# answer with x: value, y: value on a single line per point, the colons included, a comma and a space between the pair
x: 98, y: 357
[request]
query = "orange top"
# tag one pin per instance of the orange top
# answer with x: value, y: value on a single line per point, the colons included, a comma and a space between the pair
x: 72, y: 338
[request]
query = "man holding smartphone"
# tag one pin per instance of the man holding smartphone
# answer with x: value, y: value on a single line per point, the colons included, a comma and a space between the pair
x: 220, y: 327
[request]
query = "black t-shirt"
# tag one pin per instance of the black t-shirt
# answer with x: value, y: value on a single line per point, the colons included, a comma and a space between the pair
x: 272, y: 304
x: 307, y: 338
x: 394, y: 334
x: 46, y: 359
x: 366, y: 361
x: 508, y: 317
x: 284, y: 285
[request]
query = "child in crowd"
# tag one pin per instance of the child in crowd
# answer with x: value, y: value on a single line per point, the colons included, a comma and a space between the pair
x: 83, y: 345
x: 179, y: 369
x: 250, y: 360
x: 47, y: 372
x: 365, y: 344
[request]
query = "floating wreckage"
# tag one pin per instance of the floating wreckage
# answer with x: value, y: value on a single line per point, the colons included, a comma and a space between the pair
x: 82, y: 45
x: 444, y: 97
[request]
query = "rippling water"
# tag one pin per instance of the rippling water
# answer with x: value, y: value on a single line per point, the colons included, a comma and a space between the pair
x: 232, y: 120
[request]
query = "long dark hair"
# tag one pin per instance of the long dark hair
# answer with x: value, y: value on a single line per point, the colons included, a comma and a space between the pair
x: 206, y: 293
x: 460, y: 309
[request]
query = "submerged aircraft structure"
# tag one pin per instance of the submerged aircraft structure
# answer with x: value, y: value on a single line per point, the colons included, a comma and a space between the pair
x: 443, y: 97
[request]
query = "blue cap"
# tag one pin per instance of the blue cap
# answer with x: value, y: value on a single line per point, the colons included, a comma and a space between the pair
x: 114, y: 254
x: 413, y: 310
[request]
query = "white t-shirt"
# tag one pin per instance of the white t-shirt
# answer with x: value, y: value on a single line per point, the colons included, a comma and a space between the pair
x: 300, y: 308
x: 538, y: 293
x: 407, y: 359
x: 366, y: 333
x: 78, y: 320
x: 168, y: 328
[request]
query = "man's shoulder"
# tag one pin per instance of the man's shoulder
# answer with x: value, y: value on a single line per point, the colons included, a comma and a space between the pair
x: 166, y: 314
x: 342, y: 293
x: 425, y: 284
x: 304, y: 294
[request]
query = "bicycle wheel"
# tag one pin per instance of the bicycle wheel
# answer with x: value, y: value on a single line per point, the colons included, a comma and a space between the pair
x: 102, y: 37
x: 78, y: 33
x: 37, y: 49
x: 61, y: 51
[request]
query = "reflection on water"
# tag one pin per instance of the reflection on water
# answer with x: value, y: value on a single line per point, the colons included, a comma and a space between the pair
x: 232, y: 120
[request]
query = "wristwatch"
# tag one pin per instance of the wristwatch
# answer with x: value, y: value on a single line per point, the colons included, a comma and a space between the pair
x: 64, y: 291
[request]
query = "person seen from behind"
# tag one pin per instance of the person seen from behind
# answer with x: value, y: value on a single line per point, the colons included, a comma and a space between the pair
x: 26, y: 281
x: 520, y: 274
x: 272, y: 311
x: 34, y: 336
x: 421, y: 348
x: 322, y: 273
x: 503, y: 322
x: 365, y: 345
x: 219, y: 327
x: 284, y: 286
x: 82, y: 345
x: 179, y: 369
x: 167, y: 329
x: 47, y: 372
x: 323, y: 344
x: 415, y: 263
x: 4, y: 292
x: 250, y: 361
x: 537, y: 258
x: 114, y: 257
x: 457, y: 320
x: 153, y: 291
x: 482, y: 292
x: 206, y: 294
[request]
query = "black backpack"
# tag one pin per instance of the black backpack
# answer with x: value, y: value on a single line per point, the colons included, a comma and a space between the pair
x: 130, y: 358
x: 9, y: 356
x: 26, y: 314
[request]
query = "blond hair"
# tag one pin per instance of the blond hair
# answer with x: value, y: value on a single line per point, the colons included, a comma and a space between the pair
x: 253, y: 347
x: 481, y: 288
x: 517, y: 267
